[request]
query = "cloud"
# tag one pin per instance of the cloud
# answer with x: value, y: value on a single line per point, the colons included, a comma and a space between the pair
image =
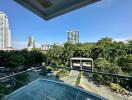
x: 122, y: 39
x: 22, y: 44
x: 37, y: 45
x: 104, y: 3
x: 19, y: 44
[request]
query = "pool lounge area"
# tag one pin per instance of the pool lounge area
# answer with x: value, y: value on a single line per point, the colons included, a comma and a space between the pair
x: 43, y: 89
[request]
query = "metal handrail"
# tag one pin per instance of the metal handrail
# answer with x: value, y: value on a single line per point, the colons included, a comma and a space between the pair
x: 102, y: 73
x: 90, y: 71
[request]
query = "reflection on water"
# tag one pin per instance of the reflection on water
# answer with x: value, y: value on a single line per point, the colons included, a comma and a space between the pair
x: 42, y: 89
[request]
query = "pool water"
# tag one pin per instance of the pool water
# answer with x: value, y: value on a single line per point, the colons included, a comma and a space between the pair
x: 42, y: 89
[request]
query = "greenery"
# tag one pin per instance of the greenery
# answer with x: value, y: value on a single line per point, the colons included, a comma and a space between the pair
x: 78, y: 79
x: 3, y: 90
x: 15, y: 60
x: 109, y: 57
x: 117, y: 88
x: 26, y: 58
x: 63, y: 73
x: 22, y: 80
x: 13, y: 84
x: 46, y: 70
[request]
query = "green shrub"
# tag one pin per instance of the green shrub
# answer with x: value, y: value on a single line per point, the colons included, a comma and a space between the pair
x: 3, y: 90
x: 117, y: 87
x: 63, y: 73
x: 44, y: 70
x: 78, y: 78
x: 113, y: 86
x: 48, y: 69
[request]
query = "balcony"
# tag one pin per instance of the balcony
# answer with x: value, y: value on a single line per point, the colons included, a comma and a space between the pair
x: 71, y: 85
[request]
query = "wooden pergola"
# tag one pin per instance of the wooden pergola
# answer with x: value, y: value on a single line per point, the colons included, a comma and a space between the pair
x: 81, y: 59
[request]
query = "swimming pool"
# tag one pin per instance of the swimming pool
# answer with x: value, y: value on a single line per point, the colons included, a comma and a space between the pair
x: 43, y: 89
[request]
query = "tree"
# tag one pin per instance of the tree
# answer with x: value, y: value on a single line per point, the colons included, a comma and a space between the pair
x: 125, y: 62
x: 82, y: 50
x: 101, y: 64
x: 36, y: 57
x: 118, y: 45
x: 55, y: 55
x: 105, y: 42
x: 15, y: 60
x: 69, y: 50
x: 115, y: 69
x: 130, y: 43
x: 96, y: 52
x: 129, y: 47
x: 3, y: 57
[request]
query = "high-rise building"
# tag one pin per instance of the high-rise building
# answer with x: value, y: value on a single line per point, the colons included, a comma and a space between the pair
x: 73, y: 37
x: 45, y: 47
x: 31, y: 42
x: 5, y: 33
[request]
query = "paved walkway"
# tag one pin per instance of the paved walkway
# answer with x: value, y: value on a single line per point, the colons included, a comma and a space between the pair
x: 86, y: 84
x: 102, y: 90
x: 71, y: 79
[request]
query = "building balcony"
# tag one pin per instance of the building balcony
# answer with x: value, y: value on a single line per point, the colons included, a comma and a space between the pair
x: 62, y: 84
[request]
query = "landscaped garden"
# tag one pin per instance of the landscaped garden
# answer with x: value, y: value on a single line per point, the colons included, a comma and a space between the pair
x: 109, y: 57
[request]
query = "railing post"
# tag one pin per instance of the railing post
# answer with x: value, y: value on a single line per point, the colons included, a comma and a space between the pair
x: 71, y: 63
x: 81, y: 64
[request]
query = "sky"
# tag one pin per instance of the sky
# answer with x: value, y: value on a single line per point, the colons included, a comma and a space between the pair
x: 107, y: 18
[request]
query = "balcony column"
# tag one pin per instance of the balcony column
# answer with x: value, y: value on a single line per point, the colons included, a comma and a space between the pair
x: 92, y: 64
x: 71, y: 63
x: 81, y: 64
